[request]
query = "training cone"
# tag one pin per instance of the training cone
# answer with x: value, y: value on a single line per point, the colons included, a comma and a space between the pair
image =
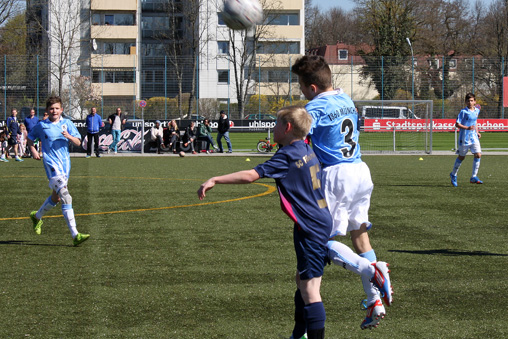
x: 247, y: 159
x: 420, y: 159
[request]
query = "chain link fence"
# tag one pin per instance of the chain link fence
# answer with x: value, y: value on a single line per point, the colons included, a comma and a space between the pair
x: 172, y: 90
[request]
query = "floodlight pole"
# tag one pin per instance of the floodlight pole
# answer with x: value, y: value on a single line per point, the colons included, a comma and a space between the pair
x: 412, y: 74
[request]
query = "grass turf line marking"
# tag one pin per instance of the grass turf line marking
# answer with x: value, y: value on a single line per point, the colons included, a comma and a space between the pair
x: 270, y: 189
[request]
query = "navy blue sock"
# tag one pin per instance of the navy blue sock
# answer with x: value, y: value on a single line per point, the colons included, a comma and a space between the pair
x: 315, y: 317
x: 300, y: 327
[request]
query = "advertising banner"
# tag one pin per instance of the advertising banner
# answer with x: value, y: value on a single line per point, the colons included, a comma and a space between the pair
x: 438, y: 125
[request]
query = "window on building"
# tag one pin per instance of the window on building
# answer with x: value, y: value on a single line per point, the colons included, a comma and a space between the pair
x: 343, y: 54
x: 278, y: 48
x: 433, y: 63
x: 452, y: 64
x: 283, y: 19
x: 104, y: 47
x: 223, y: 47
x: 220, y: 19
x: 96, y: 19
x: 113, y: 76
x: 109, y: 19
x: 119, y: 19
x: 275, y: 75
x: 223, y: 76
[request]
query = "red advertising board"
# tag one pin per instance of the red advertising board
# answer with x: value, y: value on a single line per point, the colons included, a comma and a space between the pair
x: 438, y: 125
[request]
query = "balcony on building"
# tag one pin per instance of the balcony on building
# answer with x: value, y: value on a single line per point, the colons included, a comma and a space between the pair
x: 114, y: 5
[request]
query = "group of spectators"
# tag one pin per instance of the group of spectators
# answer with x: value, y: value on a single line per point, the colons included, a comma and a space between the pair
x: 14, y: 136
x: 167, y: 139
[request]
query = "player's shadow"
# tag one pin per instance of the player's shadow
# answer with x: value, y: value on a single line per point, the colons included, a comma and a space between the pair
x: 451, y: 252
x: 29, y: 243
x: 417, y: 185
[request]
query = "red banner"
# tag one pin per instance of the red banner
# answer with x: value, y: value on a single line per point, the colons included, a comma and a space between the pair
x: 438, y: 125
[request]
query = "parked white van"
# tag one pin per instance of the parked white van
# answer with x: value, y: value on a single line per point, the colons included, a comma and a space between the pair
x: 387, y: 112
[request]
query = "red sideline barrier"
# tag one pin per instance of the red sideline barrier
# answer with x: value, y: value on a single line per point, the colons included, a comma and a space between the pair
x: 438, y: 125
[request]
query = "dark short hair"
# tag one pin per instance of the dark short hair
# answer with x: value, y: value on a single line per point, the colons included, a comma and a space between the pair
x: 469, y: 96
x: 313, y: 70
x: 53, y: 100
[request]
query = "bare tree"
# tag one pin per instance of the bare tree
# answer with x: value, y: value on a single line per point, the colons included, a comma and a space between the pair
x: 243, y: 53
x: 60, y: 37
x: 182, y: 40
x: 493, y: 30
x: 8, y: 9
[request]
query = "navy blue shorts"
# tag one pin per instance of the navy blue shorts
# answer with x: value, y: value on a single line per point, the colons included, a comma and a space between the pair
x: 310, y: 256
x: 12, y: 141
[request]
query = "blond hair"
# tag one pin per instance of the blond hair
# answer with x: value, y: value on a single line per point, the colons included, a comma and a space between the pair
x: 298, y: 117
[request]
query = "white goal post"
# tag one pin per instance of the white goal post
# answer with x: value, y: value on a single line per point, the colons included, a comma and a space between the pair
x: 395, y: 126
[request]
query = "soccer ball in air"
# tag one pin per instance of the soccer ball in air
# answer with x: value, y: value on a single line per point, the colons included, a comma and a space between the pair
x: 242, y: 14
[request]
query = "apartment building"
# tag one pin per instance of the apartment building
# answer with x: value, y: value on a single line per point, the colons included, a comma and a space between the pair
x: 279, y: 43
x: 139, y: 49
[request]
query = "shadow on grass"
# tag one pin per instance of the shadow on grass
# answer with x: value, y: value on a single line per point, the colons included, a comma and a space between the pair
x: 29, y: 243
x: 451, y: 252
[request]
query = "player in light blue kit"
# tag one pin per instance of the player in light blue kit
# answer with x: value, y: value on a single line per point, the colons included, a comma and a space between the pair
x: 469, y: 139
x: 347, y: 181
x: 55, y: 134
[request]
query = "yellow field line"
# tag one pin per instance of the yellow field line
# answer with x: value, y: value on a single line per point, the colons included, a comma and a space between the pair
x: 270, y: 189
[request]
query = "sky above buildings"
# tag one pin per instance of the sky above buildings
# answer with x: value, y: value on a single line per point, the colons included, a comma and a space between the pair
x: 350, y: 4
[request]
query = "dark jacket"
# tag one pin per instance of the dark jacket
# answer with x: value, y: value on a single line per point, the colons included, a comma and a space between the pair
x: 223, y: 125
x: 12, y: 127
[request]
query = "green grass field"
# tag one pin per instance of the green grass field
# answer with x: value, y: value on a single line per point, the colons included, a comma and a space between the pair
x: 162, y: 264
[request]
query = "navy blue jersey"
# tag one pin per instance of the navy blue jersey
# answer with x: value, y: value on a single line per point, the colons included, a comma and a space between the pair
x: 297, y: 173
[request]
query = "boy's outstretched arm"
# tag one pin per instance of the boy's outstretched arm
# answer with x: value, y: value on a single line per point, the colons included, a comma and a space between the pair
x: 242, y: 177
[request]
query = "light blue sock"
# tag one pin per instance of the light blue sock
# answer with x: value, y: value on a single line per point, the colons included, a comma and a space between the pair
x: 370, y: 255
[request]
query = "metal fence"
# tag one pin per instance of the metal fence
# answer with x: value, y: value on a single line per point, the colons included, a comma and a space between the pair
x: 27, y: 81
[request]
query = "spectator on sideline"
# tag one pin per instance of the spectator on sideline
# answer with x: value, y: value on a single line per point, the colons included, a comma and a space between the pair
x: 116, y: 120
x: 223, y: 131
x: 93, y: 125
x: 172, y: 135
x: 12, y: 131
x: 22, y: 140
x: 205, y: 133
x: 30, y: 122
x: 3, y: 146
x: 469, y: 139
x: 156, y: 136
x: 55, y: 134
x: 190, y: 135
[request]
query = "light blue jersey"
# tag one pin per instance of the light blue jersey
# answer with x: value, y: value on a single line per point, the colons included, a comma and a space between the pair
x: 55, y: 147
x: 334, y: 130
x: 468, y: 118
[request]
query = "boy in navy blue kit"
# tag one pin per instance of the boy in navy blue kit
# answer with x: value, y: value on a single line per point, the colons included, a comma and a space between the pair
x: 297, y: 173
